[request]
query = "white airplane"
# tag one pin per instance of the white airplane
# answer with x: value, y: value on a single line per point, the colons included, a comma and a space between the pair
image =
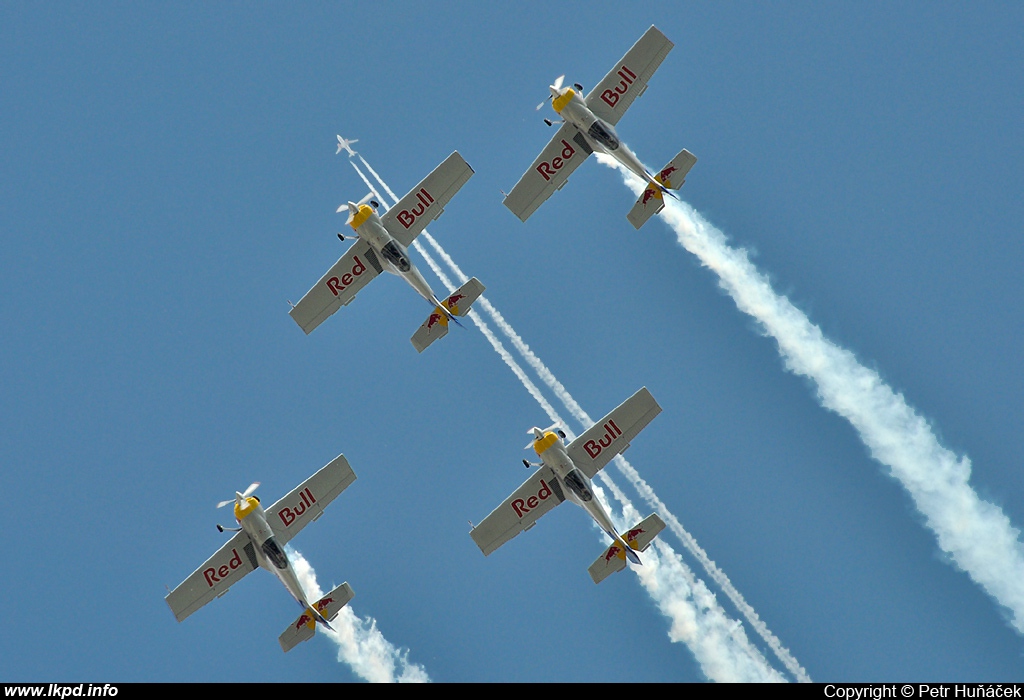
x: 382, y: 244
x: 588, y: 125
x: 565, y: 473
x: 259, y: 542
x: 347, y: 145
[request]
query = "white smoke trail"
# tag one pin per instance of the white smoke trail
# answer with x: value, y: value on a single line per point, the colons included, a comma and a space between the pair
x: 642, y: 487
x: 720, y: 644
x: 976, y: 534
x: 360, y: 643
x: 484, y: 328
x: 697, y: 619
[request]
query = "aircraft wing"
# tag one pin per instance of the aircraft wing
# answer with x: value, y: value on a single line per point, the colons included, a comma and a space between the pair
x: 337, y: 287
x: 592, y: 450
x: 628, y: 79
x: 520, y: 511
x: 563, y: 154
x: 229, y: 564
x: 307, y: 501
x: 426, y: 201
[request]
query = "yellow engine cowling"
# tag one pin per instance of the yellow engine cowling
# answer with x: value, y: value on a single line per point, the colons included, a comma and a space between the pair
x: 544, y: 443
x: 360, y: 217
x: 562, y: 100
x: 243, y: 509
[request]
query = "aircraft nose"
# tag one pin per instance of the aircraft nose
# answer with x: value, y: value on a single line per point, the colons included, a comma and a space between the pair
x: 538, y: 433
x: 353, y: 208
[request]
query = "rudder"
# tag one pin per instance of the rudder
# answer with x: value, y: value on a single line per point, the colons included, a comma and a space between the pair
x: 458, y: 303
x: 639, y: 537
x: 305, y: 626
x: 652, y: 199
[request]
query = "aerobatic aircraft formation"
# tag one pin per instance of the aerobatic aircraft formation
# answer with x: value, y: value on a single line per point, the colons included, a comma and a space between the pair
x: 380, y: 242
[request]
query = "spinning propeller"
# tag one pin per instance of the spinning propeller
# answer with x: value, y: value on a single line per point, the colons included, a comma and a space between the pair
x: 538, y: 434
x: 353, y: 209
x: 240, y: 497
x: 555, y: 89
x: 240, y: 503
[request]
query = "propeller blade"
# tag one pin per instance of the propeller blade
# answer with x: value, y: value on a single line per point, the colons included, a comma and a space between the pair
x: 537, y: 434
x: 554, y: 89
x: 352, y: 209
x: 240, y: 496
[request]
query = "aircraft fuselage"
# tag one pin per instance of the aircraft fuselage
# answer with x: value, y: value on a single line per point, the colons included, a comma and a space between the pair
x: 574, y: 482
x: 601, y: 135
x: 393, y: 255
x: 269, y: 554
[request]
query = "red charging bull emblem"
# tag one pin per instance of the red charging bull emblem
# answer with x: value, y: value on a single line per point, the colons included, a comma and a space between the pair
x: 633, y: 534
x: 663, y: 175
x: 548, y: 169
x: 406, y: 217
x: 288, y: 515
x: 611, y: 95
x: 305, y: 619
x: 612, y: 551
x: 594, y: 448
x: 337, y: 285
x: 216, y: 574
x: 434, y: 319
x: 521, y: 507
x: 453, y: 302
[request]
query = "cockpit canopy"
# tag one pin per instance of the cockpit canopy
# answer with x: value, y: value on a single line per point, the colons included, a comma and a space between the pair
x: 272, y: 551
x: 578, y: 486
x: 396, y: 257
x: 604, y: 134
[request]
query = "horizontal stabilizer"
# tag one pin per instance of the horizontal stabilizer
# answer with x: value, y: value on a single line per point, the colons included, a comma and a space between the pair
x: 639, y: 538
x: 305, y: 626
x: 652, y: 199
x: 457, y: 304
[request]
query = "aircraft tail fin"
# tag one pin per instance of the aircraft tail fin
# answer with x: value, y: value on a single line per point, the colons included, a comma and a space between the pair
x: 652, y: 199
x: 322, y: 611
x: 637, y: 538
x: 455, y: 305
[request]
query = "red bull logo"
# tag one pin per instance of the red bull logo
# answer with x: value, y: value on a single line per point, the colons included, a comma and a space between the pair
x: 664, y: 175
x: 406, y: 217
x: 547, y: 169
x: 337, y: 285
x: 288, y: 515
x: 611, y: 95
x: 595, y: 447
x: 217, y: 573
x: 633, y: 534
x: 522, y: 507
x: 453, y: 302
x: 321, y: 604
x: 650, y: 192
x: 612, y: 551
x: 435, y: 318
x: 304, y: 619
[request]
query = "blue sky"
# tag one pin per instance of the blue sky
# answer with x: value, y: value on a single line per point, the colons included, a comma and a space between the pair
x: 169, y: 181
